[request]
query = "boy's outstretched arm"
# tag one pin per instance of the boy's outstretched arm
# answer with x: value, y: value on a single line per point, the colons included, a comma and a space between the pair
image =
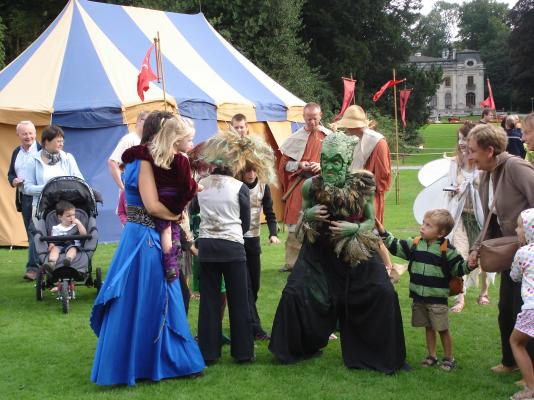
x: 398, y: 247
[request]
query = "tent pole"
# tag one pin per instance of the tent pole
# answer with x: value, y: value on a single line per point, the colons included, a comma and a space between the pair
x: 160, y: 58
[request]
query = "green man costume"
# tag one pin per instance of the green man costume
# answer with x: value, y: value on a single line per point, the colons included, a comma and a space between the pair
x: 338, y: 278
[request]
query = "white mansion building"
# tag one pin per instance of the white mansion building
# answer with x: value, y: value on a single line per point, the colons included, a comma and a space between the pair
x: 462, y: 88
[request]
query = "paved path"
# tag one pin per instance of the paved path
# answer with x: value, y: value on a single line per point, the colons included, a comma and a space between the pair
x: 407, y: 167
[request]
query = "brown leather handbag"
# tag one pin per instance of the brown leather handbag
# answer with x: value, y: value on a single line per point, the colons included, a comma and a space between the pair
x: 496, y: 255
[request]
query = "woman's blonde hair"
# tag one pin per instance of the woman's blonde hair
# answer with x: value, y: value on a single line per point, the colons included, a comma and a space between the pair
x: 172, y: 131
x: 487, y: 135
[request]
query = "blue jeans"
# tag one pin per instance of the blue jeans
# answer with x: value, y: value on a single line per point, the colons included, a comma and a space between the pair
x: 32, y: 263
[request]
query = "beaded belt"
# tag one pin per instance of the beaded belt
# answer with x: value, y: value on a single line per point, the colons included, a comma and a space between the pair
x: 139, y: 216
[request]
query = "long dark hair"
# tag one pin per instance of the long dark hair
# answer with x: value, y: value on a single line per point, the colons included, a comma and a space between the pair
x: 153, y: 124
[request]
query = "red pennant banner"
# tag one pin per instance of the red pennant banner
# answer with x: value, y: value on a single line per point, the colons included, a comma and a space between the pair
x: 146, y: 75
x: 349, y: 88
x: 403, y: 99
x: 489, y: 103
x: 385, y: 86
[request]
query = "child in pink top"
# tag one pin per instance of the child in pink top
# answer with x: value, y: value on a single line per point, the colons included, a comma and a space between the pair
x: 523, y: 271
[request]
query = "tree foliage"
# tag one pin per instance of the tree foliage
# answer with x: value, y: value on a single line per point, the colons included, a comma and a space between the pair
x: 521, y: 51
x: 436, y: 31
x: 2, y: 49
x: 480, y: 21
x: 24, y: 21
x: 365, y: 38
x: 483, y: 26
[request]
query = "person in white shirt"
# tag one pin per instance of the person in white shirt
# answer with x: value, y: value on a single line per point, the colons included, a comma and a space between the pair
x: 21, y: 156
x: 130, y: 139
x: 69, y: 225
x: 115, y: 160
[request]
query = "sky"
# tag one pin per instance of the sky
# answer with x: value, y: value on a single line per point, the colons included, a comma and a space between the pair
x: 427, y: 4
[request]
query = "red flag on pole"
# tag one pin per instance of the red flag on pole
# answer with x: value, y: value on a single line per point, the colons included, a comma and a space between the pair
x: 386, y: 85
x: 403, y: 99
x: 489, y: 103
x: 145, y: 75
x: 349, y: 87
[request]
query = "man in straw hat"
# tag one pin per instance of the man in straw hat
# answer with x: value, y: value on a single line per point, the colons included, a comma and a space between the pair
x: 371, y: 153
x: 301, y: 154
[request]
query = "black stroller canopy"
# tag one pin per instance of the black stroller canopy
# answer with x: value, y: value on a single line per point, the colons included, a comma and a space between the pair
x: 71, y: 189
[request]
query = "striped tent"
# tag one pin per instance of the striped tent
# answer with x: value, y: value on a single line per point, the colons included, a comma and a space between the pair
x: 81, y: 74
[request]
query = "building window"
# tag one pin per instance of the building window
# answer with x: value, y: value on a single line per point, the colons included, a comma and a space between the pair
x: 470, y: 100
x: 470, y: 63
x: 448, y: 101
x: 434, y: 102
x: 470, y: 80
x: 447, y: 81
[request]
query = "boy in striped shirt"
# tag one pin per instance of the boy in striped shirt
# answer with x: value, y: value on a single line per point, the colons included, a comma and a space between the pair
x: 432, y: 262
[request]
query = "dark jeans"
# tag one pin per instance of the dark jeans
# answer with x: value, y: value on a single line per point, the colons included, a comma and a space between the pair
x: 510, y: 303
x: 209, y: 316
x: 32, y: 263
x: 253, y: 251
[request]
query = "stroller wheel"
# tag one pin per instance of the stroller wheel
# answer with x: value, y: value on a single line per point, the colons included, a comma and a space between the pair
x: 98, y: 279
x: 65, y: 295
x: 39, y: 286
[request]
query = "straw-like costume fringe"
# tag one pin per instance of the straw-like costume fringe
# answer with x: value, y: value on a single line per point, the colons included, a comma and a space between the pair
x: 342, y: 203
x: 240, y: 153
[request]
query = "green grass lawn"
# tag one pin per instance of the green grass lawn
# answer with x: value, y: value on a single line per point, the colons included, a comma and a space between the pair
x: 437, y: 139
x: 45, y: 354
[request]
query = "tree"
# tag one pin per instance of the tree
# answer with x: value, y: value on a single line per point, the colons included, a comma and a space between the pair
x: 436, y: 31
x: 24, y: 21
x: 2, y: 50
x: 521, y: 50
x: 483, y: 26
x: 365, y: 38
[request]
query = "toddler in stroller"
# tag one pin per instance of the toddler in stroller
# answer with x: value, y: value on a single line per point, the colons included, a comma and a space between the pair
x: 66, y: 237
x: 69, y: 225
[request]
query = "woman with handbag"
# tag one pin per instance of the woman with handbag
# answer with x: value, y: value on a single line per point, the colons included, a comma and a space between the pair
x: 465, y: 207
x: 506, y: 188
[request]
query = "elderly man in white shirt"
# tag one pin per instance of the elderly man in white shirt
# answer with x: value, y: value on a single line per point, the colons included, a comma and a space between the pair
x: 21, y: 156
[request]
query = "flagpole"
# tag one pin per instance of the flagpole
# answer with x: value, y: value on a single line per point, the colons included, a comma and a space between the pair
x: 159, y: 59
x: 397, y: 177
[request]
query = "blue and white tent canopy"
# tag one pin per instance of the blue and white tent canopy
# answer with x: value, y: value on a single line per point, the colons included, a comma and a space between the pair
x: 81, y: 74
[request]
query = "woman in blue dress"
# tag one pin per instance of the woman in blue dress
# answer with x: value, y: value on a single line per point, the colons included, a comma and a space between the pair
x: 138, y: 316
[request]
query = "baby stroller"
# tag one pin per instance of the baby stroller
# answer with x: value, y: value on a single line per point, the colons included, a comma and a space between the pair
x: 64, y: 278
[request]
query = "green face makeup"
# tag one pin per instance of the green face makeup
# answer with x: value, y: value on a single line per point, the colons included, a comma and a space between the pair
x: 336, y: 158
x: 333, y: 169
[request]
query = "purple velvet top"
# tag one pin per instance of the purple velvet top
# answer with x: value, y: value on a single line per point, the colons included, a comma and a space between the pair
x: 176, y: 187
